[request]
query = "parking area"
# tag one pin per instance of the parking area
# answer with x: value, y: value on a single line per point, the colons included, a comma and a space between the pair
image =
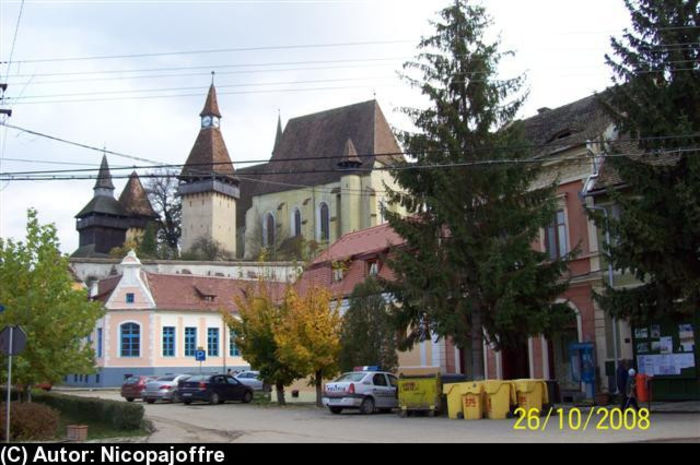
x: 235, y: 422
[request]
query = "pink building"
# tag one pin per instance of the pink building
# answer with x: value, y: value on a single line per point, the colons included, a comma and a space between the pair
x: 154, y: 323
x: 571, y: 132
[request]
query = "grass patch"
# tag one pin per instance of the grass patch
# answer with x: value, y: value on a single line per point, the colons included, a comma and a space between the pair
x: 96, y: 429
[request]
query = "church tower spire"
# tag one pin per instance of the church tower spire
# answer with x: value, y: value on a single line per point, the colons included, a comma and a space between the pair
x: 103, y: 185
x: 208, y: 186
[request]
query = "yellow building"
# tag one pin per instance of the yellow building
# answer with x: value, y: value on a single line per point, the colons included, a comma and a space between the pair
x: 326, y: 177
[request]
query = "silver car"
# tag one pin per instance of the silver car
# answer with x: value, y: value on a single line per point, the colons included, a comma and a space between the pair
x: 250, y: 378
x: 163, y: 388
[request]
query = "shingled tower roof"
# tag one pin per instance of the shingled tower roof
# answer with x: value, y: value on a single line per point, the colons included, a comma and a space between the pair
x: 211, y: 107
x: 134, y: 199
x: 349, y: 158
x: 209, y: 155
x: 278, y: 136
x: 104, y: 177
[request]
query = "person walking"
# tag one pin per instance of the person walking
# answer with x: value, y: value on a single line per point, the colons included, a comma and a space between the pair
x: 631, y: 390
x: 622, y: 382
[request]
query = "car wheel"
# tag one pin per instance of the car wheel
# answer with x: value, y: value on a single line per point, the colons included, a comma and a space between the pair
x: 247, y: 397
x: 214, y: 399
x: 150, y: 401
x: 335, y: 410
x: 129, y: 399
x: 367, y: 406
x: 187, y: 402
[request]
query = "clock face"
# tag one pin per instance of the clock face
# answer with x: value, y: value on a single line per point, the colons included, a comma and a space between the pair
x: 215, y: 122
x: 206, y: 121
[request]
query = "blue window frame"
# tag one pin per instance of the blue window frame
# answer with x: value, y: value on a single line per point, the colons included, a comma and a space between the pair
x: 130, y: 340
x: 232, y: 347
x: 168, y: 341
x: 129, y: 297
x: 190, y: 341
x: 99, y: 342
x: 213, y: 342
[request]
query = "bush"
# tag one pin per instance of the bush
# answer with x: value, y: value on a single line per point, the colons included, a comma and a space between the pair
x: 30, y: 422
x: 121, y: 415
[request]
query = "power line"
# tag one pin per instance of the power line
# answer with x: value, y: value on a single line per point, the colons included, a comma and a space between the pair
x: 209, y: 51
x: 553, y: 144
x: 14, y: 40
x: 210, y: 67
x: 585, y: 158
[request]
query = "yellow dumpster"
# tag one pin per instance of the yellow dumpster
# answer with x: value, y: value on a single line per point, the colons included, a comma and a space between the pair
x: 473, y: 401
x: 454, y: 393
x: 531, y: 393
x: 500, y: 396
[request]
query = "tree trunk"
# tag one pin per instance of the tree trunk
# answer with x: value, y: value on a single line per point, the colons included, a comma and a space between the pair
x: 477, y: 340
x: 319, y: 390
x: 280, y: 394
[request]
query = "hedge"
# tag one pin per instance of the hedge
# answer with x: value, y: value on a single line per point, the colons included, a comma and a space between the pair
x: 121, y: 415
x: 30, y: 422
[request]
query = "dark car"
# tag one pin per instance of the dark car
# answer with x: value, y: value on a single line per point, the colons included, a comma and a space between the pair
x: 133, y: 387
x: 215, y: 389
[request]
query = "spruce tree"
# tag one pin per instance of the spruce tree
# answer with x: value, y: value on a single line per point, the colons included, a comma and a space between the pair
x: 655, y: 104
x: 468, y: 268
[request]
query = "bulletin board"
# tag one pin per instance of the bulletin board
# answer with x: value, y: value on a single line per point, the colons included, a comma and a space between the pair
x: 666, y: 348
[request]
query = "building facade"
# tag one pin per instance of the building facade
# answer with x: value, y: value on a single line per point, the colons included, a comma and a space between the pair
x: 325, y: 178
x: 154, y: 323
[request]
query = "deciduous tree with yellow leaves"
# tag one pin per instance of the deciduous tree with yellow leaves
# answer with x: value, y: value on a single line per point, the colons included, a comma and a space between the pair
x: 309, y: 339
x: 259, y: 318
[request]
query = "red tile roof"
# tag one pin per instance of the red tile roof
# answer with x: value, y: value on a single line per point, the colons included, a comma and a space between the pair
x: 190, y: 292
x: 364, y: 241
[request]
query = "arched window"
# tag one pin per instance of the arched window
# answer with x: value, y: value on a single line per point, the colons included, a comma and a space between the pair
x: 269, y: 231
x: 130, y: 338
x: 325, y: 222
x: 296, y: 223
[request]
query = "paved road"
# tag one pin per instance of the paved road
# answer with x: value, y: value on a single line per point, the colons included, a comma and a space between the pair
x: 232, y: 422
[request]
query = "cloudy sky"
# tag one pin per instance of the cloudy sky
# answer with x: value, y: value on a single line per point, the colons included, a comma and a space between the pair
x: 132, y: 76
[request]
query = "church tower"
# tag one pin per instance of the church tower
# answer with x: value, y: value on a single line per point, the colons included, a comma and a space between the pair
x: 208, y: 186
x: 350, y: 188
x: 102, y: 223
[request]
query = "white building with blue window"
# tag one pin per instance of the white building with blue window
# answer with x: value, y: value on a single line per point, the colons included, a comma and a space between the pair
x: 154, y: 323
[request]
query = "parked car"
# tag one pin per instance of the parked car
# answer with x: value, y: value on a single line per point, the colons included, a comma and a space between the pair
x: 215, y: 389
x: 250, y: 378
x: 163, y: 388
x: 366, y: 390
x: 133, y: 387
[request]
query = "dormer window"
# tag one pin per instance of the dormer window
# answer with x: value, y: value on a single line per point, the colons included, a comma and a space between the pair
x: 372, y: 267
x: 337, y: 275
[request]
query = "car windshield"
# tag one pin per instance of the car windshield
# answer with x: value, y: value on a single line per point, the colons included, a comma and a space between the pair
x: 352, y: 376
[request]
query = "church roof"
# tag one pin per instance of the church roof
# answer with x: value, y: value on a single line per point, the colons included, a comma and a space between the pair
x: 209, y: 154
x: 134, y: 199
x: 349, y: 158
x: 104, y: 177
x: 311, y: 146
x: 211, y: 107
x: 103, y: 204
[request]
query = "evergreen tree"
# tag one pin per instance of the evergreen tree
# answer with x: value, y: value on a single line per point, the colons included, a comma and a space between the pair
x: 655, y: 103
x: 468, y: 261
x: 368, y: 336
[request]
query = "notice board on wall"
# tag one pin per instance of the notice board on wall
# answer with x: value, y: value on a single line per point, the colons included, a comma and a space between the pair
x: 666, y: 348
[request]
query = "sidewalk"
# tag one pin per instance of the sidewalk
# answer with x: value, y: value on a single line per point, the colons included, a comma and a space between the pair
x: 692, y: 406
